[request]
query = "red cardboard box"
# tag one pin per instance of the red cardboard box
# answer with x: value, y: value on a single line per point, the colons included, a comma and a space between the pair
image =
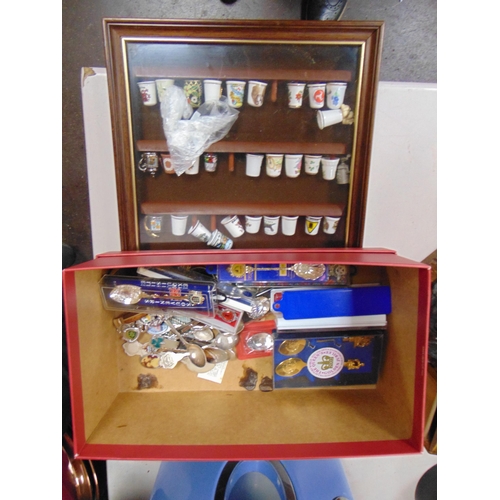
x: 189, y: 418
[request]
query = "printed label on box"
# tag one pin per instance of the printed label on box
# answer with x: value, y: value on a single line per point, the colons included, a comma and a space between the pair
x: 325, y: 363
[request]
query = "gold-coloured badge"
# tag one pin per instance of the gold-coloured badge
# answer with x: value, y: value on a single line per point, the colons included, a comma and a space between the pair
x: 239, y: 270
x: 290, y: 367
x: 361, y: 341
x: 353, y: 364
x: 289, y: 347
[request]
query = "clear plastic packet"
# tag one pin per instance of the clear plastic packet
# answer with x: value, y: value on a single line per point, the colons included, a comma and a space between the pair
x: 256, y: 339
x: 189, y: 134
x: 243, y: 299
x: 136, y: 293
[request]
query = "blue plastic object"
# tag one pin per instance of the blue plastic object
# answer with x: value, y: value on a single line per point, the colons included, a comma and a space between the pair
x: 328, y: 302
x: 252, y: 480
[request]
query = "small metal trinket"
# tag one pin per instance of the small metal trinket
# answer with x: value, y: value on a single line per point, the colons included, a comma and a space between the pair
x: 338, y: 271
x: 153, y: 225
x: 127, y: 319
x: 169, y: 359
x: 353, y: 364
x: 159, y: 329
x: 130, y: 333
x: 149, y: 163
x: 290, y: 367
x: 266, y: 384
x: 157, y: 342
x: 146, y: 381
x: 260, y: 342
x: 134, y: 349
x: 151, y: 320
x: 342, y: 176
x: 150, y: 361
x: 361, y: 341
x: 260, y: 307
x: 290, y: 347
x: 249, y: 379
x: 126, y: 294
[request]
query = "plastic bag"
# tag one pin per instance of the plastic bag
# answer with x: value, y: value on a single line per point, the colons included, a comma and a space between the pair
x: 189, y: 134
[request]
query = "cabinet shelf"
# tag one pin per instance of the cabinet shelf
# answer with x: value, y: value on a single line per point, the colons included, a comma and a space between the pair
x: 255, y: 147
x: 215, y: 208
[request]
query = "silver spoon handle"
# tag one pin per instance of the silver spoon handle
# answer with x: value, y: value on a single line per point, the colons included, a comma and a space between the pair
x: 177, y: 334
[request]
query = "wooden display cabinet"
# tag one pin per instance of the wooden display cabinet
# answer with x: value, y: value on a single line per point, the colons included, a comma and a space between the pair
x: 275, y: 52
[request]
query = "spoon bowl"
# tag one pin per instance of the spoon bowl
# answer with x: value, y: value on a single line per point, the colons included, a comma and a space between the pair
x: 196, y: 355
x: 204, y: 334
x: 226, y: 341
x: 260, y: 342
x: 215, y: 354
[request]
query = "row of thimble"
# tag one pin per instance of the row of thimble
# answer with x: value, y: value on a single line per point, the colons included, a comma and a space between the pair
x: 209, y: 163
x: 293, y: 165
x: 153, y: 224
x: 329, y: 165
x: 272, y: 224
x: 330, y: 94
x: 152, y: 91
x: 150, y: 162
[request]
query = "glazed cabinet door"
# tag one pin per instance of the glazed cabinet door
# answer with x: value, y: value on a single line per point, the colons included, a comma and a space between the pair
x: 242, y: 134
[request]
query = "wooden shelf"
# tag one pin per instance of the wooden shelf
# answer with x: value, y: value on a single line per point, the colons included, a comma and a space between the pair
x: 192, y: 208
x: 256, y: 147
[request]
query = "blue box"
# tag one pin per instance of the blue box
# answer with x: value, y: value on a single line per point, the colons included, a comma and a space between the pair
x: 324, y: 302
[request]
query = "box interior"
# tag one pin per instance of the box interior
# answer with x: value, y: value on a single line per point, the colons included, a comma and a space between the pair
x: 187, y: 410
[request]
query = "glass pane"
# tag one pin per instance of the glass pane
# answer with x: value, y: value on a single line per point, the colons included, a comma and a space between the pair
x: 293, y: 121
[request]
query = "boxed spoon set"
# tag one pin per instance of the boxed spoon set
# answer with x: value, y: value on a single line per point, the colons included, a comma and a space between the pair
x: 332, y: 358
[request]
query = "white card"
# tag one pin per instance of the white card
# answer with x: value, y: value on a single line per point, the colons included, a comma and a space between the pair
x: 216, y: 373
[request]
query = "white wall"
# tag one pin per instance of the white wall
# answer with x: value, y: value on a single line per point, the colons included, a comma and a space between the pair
x: 100, y: 162
x: 401, y: 210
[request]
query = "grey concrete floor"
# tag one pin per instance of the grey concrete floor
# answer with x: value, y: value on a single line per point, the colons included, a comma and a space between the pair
x: 409, y: 55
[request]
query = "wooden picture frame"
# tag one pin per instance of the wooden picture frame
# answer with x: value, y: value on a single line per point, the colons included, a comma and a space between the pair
x: 277, y: 53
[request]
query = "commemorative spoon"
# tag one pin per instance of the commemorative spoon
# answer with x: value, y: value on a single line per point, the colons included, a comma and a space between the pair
x: 196, y: 354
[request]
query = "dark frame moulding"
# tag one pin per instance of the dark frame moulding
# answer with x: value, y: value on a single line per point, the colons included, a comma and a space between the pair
x: 367, y: 35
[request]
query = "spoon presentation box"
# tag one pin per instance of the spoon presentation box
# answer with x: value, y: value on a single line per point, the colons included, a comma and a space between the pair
x: 140, y: 293
x: 319, y: 359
